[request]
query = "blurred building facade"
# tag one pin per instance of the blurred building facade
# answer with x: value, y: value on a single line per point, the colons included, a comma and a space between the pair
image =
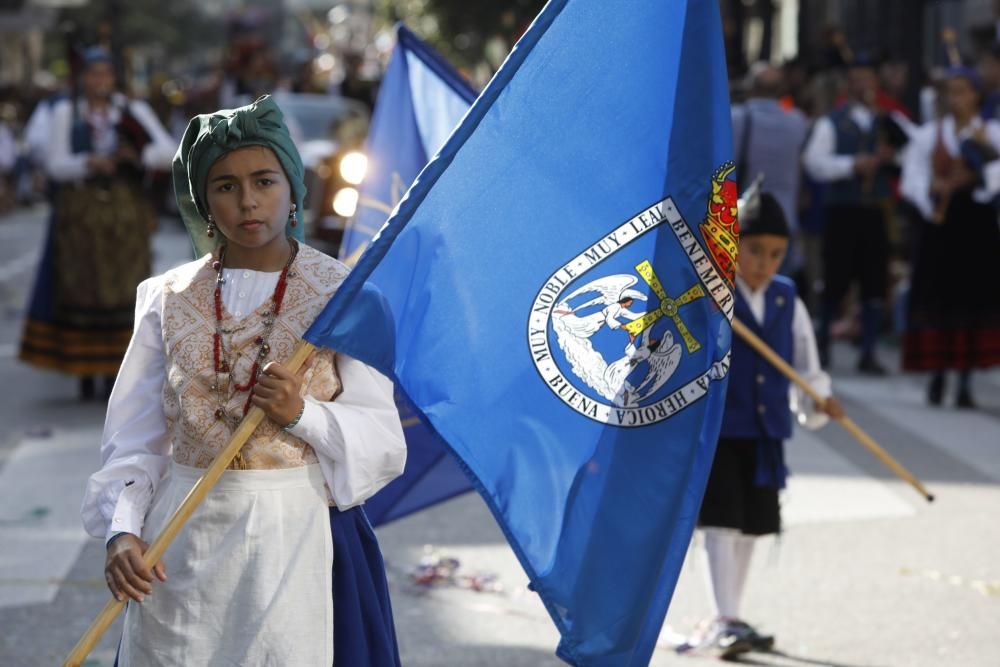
x: 907, y: 30
x: 23, y: 24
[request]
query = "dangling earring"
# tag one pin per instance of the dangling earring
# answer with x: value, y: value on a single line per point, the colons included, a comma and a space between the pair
x: 210, y: 230
x: 292, y: 220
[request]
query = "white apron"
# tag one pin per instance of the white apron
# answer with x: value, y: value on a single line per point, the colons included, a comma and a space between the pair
x: 249, y: 577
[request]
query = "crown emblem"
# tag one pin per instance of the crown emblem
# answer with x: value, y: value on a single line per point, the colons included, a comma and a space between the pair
x: 721, y: 228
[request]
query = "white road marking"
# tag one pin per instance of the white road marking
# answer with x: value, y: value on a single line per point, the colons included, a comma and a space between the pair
x: 20, y: 265
x: 968, y: 435
x: 24, y: 224
x: 824, y: 486
x: 41, y: 486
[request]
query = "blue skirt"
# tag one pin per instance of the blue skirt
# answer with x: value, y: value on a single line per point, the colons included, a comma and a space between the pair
x: 363, y: 631
x: 364, y: 634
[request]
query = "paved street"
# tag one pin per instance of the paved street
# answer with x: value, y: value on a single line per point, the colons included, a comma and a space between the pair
x: 867, y: 573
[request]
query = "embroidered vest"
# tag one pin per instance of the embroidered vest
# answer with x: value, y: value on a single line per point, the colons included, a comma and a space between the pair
x: 196, y: 435
x: 757, y: 397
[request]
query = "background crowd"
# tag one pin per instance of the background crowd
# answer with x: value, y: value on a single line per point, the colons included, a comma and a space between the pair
x: 882, y: 171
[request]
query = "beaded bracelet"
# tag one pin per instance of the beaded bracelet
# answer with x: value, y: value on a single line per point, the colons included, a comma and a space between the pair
x: 290, y: 425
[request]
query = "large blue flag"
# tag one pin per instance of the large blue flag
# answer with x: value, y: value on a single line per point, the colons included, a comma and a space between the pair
x: 421, y: 101
x: 554, y: 293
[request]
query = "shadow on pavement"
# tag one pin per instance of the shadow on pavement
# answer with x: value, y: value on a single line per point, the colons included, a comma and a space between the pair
x: 787, y: 660
x: 483, y: 656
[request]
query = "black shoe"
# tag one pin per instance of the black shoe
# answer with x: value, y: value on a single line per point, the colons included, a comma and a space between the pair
x: 87, y: 388
x: 720, y: 639
x: 759, y: 642
x: 935, y: 391
x: 870, y: 366
x: 964, y: 400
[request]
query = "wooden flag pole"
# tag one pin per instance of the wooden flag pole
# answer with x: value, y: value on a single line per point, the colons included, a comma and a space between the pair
x: 772, y: 357
x: 180, y: 516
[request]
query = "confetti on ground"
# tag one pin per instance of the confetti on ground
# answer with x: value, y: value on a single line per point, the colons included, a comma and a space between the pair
x: 437, y: 570
x: 987, y: 588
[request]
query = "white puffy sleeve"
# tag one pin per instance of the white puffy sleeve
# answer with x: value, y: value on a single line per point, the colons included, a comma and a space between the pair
x: 135, y: 446
x: 915, y: 182
x: 358, y: 436
x: 61, y: 162
x: 159, y: 152
x: 36, y: 132
x: 805, y: 360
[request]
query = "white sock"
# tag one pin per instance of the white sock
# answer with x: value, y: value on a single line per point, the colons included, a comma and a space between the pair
x: 742, y: 552
x: 727, y: 559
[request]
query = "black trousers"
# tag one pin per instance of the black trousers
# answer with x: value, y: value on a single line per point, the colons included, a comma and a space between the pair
x: 855, y: 249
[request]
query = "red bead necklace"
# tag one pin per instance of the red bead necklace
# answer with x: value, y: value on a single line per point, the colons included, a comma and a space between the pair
x: 222, y: 365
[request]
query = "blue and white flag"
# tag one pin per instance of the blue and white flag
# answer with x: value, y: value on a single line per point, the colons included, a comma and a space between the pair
x: 554, y: 295
x: 421, y: 101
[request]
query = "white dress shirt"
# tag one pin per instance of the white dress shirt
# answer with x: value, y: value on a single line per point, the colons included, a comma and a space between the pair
x: 37, y: 131
x: 820, y: 157
x: 915, y: 183
x: 357, y: 438
x: 805, y: 355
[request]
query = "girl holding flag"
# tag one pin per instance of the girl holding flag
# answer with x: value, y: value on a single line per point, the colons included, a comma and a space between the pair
x: 249, y: 579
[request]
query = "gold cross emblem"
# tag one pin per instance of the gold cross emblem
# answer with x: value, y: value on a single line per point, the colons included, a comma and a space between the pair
x: 668, y: 307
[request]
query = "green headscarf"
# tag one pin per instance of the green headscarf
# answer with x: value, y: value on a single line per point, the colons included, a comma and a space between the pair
x: 210, y: 136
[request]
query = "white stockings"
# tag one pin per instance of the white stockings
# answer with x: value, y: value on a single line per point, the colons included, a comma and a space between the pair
x: 727, y: 555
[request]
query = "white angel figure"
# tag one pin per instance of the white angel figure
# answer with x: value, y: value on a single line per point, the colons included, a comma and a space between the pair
x: 614, y: 294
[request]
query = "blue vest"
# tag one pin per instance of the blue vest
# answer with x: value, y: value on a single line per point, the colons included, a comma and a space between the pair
x: 852, y: 140
x: 81, y: 137
x: 757, y: 398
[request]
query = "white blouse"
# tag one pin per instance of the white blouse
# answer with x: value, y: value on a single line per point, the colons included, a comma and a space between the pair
x: 805, y: 356
x: 915, y: 182
x: 63, y: 164
x: 357, y: 438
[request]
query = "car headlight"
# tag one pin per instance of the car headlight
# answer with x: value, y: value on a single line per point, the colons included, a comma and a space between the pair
x: 345, y: 202
x: 353, y: 167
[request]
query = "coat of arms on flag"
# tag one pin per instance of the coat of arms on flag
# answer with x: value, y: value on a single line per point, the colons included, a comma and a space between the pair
x: 620, y: 336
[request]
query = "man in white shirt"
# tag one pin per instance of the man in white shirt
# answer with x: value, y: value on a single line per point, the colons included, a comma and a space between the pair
x: 848, y: 152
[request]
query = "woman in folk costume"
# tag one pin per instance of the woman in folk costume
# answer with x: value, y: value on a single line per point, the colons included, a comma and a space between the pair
x: 248, y: 580
x: 741, y: 501
x: 951, y: 175
x: 100, y: 147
